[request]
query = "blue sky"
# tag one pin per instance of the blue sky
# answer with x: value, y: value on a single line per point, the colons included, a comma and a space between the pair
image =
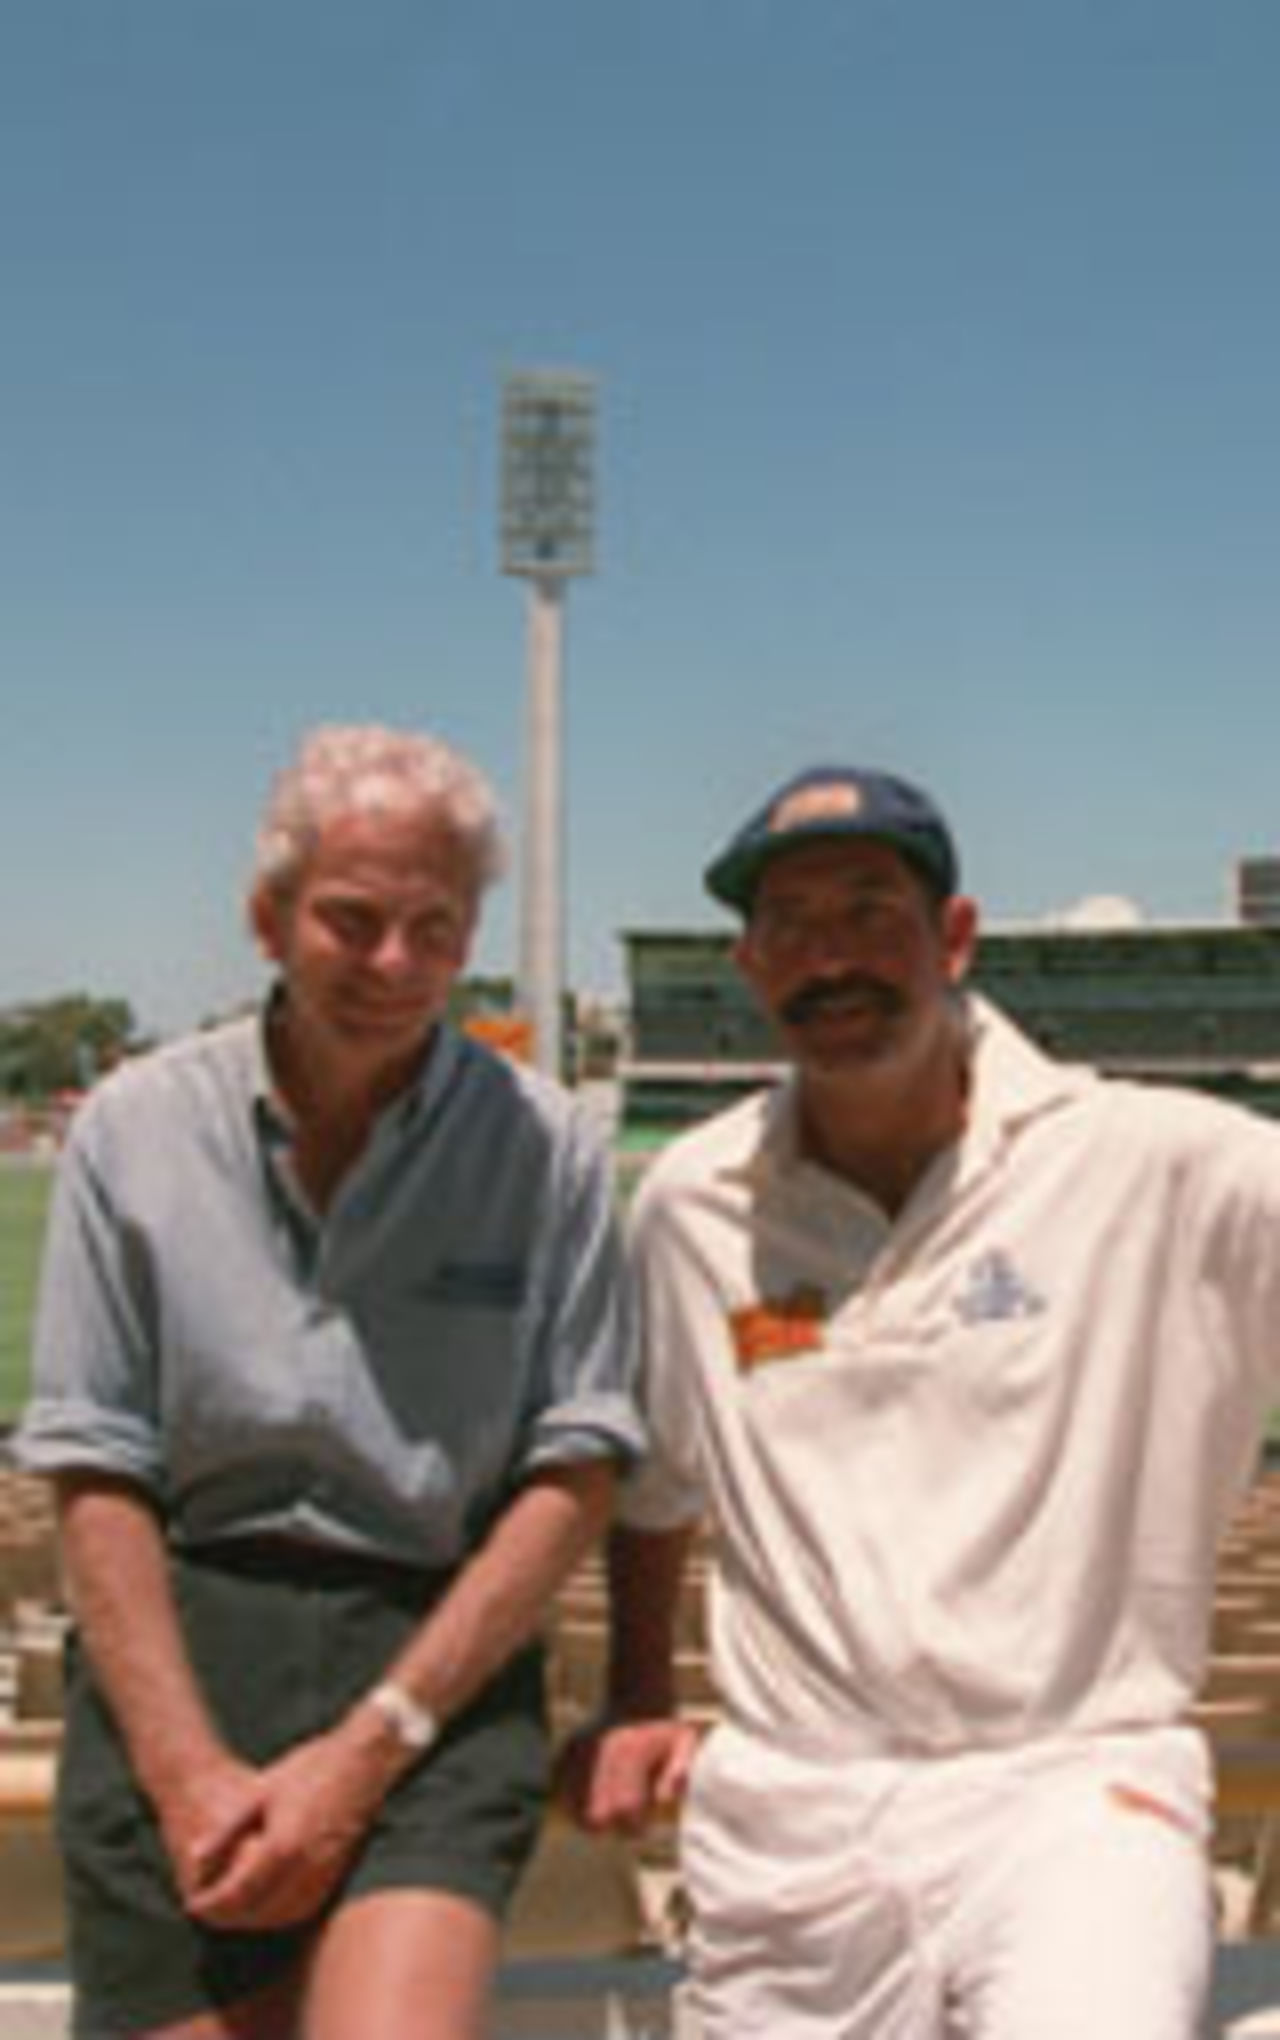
x: 940, y: 428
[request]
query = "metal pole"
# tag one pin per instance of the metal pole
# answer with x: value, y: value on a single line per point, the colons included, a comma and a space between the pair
x: 541, y: 951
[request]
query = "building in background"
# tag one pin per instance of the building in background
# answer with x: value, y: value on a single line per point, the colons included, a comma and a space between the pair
x: 1257, y: 891
x: 1183, y: 1005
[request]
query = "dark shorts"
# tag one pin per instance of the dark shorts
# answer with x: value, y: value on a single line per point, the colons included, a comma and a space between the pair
x: 280, y: 1655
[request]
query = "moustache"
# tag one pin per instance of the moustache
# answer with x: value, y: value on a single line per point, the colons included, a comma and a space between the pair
x: 821, y: 994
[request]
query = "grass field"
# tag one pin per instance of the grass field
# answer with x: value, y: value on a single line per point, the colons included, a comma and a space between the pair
x: 24, y: 1194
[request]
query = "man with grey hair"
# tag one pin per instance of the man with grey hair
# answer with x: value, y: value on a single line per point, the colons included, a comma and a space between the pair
x: 332, y: 1366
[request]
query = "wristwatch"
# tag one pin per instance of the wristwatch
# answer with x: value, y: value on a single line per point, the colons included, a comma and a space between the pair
x: 414, y: 1725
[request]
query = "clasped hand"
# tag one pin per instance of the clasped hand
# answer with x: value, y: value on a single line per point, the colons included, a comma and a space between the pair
x: 264, y: 1848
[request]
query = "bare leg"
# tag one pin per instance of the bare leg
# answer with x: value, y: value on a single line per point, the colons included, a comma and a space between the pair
x: 406, y: 1965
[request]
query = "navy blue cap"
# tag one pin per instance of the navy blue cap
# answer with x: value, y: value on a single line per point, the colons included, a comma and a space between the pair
x: 828, y: 803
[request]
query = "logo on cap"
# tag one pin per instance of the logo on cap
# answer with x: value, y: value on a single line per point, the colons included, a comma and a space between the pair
x: 834, y: 800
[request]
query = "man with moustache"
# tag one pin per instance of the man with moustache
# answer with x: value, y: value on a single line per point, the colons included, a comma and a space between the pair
x: 963, y: 1356
x: 332, y: 1375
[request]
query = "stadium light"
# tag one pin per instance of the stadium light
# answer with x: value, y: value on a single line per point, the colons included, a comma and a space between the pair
x: 547, y: 537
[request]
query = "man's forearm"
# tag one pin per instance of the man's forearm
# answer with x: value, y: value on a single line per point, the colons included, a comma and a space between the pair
x: 646, y: 1572
x: 501, y: 1597
x: 634, y: 1762
x: 118, y: 1577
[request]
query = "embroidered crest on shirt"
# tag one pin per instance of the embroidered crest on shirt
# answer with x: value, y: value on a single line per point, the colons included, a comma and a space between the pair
x: 778, y: 1327
x: 995, y: 1292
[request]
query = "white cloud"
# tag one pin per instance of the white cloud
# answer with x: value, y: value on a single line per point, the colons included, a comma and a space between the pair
x: 1098, y: 910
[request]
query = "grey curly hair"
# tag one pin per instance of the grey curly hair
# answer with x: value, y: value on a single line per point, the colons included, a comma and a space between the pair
x: 364, y: 768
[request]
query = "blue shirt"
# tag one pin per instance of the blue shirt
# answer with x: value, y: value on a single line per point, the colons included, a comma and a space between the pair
x: 380, y: 1378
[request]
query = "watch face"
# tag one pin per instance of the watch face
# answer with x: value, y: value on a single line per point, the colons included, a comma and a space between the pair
x: 415, y: 1725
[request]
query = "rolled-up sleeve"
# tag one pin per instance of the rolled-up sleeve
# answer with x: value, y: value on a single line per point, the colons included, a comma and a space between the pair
x: 587, y: 1361
x: 94, y: 1386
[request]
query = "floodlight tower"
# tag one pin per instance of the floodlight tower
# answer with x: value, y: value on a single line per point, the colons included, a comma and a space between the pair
x: 548, y: 517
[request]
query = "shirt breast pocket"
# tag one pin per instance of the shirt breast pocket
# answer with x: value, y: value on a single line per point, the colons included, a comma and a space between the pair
x: 448, y: 1352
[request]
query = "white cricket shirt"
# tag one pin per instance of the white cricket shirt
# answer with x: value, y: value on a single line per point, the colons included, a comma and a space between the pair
x: 966, y: 1470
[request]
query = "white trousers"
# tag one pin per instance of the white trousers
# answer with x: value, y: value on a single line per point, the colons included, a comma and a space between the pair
x: 1056, y: 1892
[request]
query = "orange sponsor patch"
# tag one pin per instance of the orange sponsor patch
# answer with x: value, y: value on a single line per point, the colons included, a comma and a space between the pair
x: 778, y: 1328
